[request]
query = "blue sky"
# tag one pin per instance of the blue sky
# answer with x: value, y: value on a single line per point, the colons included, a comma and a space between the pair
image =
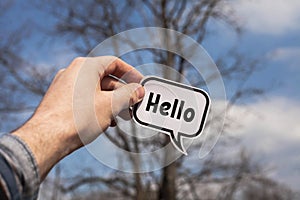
x: 271, y: 130
x: 271, y: 30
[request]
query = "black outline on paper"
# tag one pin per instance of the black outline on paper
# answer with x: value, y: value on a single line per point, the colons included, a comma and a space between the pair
x: 178, y: 140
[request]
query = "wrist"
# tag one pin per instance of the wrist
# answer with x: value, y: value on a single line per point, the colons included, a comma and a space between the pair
x: 48, y: 142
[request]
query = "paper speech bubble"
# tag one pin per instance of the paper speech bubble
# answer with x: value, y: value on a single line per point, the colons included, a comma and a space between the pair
x: 172, y: 108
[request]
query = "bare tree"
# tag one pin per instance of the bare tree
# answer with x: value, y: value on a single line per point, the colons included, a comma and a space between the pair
x: 106, y: 18
x: 85, y: 25
x: 17, y: 84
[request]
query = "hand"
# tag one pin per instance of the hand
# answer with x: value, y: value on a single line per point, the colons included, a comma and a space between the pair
x: 82, y: 99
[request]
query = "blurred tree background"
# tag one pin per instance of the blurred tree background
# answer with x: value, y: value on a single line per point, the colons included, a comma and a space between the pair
x: 81, y: 25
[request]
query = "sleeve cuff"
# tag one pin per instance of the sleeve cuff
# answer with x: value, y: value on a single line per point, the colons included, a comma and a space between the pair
x: 22, y: 159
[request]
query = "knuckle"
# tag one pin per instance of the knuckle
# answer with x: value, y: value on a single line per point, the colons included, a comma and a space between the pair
x: 134, y: 98
x: 113, y: 59
x: 61, y: 71
x: 78, y: 60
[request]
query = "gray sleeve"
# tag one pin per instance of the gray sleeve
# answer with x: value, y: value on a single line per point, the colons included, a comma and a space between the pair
x: 19, y: 176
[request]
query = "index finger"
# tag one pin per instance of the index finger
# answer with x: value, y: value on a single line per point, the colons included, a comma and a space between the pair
x: 122, y: 70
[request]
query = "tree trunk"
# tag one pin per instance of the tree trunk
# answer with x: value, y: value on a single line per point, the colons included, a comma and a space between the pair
x: 168, y: 187
x: 167, y: 190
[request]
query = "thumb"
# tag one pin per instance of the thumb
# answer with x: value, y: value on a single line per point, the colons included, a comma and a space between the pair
x: 126, y: 96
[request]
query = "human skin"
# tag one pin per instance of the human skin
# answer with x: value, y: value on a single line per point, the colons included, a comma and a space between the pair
x: 51, y: 133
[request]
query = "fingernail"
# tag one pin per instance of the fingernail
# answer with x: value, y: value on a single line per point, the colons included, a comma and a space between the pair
x: 140, y: 93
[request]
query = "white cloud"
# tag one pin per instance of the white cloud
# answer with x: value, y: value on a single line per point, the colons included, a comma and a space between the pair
x: 288, y: 56
x: 269, y: 16
x: 286, y: 53
x: 273, y: 136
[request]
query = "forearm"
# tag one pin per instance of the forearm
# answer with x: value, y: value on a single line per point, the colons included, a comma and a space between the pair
x: 47, y: 144
x: 51, y: 133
